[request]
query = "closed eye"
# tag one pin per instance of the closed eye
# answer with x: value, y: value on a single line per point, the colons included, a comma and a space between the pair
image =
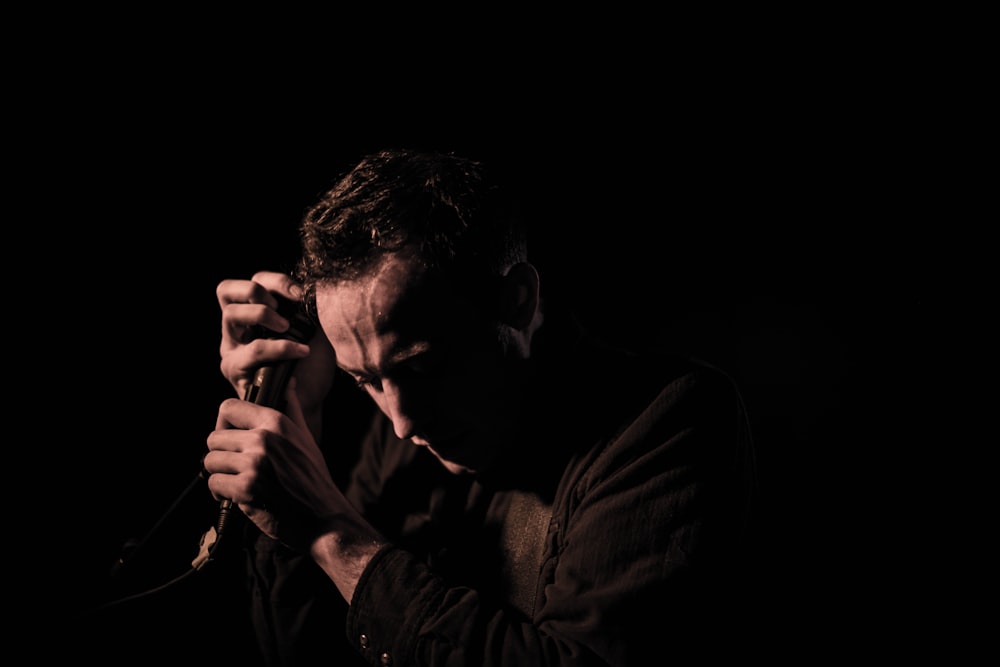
x: 366, y: 382
x: 421, y: 363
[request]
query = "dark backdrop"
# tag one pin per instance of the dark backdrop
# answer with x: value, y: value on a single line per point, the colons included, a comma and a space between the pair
x: 760, y: 237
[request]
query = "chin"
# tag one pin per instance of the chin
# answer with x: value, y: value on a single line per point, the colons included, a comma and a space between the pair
x: 456, y: 469
x: 451, y: 466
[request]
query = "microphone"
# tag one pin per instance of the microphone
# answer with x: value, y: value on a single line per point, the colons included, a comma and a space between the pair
x: 267, y: 389
x: 270, y: 381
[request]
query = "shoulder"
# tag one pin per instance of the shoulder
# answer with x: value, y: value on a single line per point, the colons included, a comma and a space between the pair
x: 647, y: 387
x: 651, y: 412
x: 615, y: 383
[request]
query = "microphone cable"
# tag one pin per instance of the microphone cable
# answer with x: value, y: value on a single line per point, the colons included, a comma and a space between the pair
x: 266, y: 389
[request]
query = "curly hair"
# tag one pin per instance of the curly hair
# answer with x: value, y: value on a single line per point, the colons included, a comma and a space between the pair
x: 443, y: 207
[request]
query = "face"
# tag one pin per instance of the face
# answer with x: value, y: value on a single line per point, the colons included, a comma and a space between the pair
x: 432, y: 366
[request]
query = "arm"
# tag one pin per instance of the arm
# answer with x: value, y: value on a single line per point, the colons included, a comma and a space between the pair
x: 632, y: 567
x: 634, y: 523
x: 268, y: 462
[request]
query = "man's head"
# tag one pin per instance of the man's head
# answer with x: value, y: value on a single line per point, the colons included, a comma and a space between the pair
x: 416, y: 266
x: 443, y: 207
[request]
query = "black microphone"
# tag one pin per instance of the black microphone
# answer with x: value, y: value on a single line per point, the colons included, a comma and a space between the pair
x: 267, y: 389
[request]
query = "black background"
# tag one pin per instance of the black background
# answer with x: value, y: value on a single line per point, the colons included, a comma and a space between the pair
x: 770, y: 216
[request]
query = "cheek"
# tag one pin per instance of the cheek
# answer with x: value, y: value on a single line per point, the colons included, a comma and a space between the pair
x: 476, y: 378
x: 380, y: 401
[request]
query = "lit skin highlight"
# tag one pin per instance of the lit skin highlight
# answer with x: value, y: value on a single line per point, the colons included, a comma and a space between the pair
x: 433, y: 367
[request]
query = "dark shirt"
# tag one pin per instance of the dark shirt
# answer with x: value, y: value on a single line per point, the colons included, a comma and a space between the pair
x: 612, y: 535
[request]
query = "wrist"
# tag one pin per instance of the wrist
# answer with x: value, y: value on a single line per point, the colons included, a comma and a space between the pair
x: 343, y: 551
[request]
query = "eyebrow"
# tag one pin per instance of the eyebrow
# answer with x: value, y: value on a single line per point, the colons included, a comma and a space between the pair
x: 397, y: 357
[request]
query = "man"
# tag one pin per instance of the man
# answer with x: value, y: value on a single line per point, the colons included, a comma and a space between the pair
x: 524, y: 495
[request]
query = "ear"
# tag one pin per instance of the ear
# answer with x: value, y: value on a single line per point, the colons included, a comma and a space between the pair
x: 519, y: 296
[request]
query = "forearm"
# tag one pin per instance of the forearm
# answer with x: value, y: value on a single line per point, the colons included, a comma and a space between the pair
x: 402, y: 608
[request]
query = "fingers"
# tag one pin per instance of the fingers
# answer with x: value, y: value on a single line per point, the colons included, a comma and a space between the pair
x: 238, y: 414
x: 249, y: 319
x: 252, y: 303
x: 237, y: 449
x: 279, y: 283
x: 245, y: 305
x: 261, y: 288
x: 231, y: 474
x: 239, y: 363
x: 269, y: 465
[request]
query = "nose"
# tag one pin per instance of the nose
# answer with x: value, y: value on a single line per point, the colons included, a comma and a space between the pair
x: 400, y: 407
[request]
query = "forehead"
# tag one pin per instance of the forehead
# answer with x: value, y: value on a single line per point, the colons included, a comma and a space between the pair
x: 399, y: 298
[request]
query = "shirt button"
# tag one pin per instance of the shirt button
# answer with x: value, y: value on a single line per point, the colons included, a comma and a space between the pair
x: 386, y: 660
x: 363, y: 639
